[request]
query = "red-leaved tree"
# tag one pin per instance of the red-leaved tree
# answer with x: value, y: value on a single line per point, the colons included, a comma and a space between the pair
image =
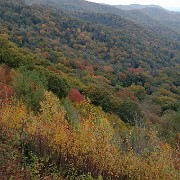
x: 75, y: 96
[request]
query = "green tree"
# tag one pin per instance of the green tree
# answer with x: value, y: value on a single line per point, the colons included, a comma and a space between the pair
x: 30, y: 85
x: 167, y: 103
x: 58, y: 85
x: 130, y: 113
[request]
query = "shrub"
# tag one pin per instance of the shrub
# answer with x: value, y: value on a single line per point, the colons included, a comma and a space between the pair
x: 57, y: 85
x: 167, y: 103
x: 30, y: 86
x: 130, y: 113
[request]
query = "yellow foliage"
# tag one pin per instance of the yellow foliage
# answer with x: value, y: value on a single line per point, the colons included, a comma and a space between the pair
x: 90, y: 148
x: 50, y: 123
x: 13, y: 115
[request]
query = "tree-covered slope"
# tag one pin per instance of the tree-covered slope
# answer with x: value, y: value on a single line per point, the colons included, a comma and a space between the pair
x: 127, y: 54
x: 140, y: 17
x: 58, y: 28
x: 86, y: 95
x: 50, y: 131
x: 168, y: 18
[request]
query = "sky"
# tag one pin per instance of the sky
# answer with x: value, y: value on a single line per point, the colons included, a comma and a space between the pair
x: 163, y: 3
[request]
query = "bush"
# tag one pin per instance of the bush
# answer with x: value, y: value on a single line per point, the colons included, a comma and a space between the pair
x: 104, y: 98
x: 12, y: 56
x: 130, y: 113
x: 167, y: 103
x: 30, y: 86
x: 58, y: 85
x: 170, y: 128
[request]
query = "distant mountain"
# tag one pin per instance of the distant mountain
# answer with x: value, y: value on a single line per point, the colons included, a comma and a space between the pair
x: 76, y: 5
x: 168, y: 18
x: 157, y: 13
x: 146, y: 16
x: 136, y: 6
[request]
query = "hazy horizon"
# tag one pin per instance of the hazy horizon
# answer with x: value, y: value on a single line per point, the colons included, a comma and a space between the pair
x: 174, y: 4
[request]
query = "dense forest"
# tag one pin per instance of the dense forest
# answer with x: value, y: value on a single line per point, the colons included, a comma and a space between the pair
x: 88, y: 91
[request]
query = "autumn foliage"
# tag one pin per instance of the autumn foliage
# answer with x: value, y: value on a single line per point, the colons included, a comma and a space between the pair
x: 75, y: 96
x: 47, y: 139
x: 5, y: 90
x: 80, y: 100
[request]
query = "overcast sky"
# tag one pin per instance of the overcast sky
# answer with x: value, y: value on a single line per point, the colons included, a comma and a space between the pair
x: 163, y: 3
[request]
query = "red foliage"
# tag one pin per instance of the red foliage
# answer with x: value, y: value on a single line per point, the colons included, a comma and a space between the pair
x: 108, y: 69
x: 5, y: 78
x: 45, y: 54
x: 5, y: 93
x: 79, y: 64
x: 53, y: 69
x: 90, y: 70
x: 5, y: 74
x: 125, y: 94
x: 134, y: 70
x: 86, y: 63
x: 75, y: 96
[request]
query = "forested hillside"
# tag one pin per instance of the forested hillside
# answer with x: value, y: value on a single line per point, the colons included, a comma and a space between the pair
x: 150, y: 17
x: 87, y: 92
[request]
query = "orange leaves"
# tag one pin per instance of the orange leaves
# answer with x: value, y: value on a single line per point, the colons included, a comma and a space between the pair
x: 135, y: 70
x: 108, y: 69
x: 45, y: 54
x: 5, y: 93
x: 79, y: 64
x: 90, y: 70
x: 126, y: 94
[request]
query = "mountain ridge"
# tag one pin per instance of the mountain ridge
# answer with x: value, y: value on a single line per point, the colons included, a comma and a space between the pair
x: 139, y: 17
x: 137, y: 6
